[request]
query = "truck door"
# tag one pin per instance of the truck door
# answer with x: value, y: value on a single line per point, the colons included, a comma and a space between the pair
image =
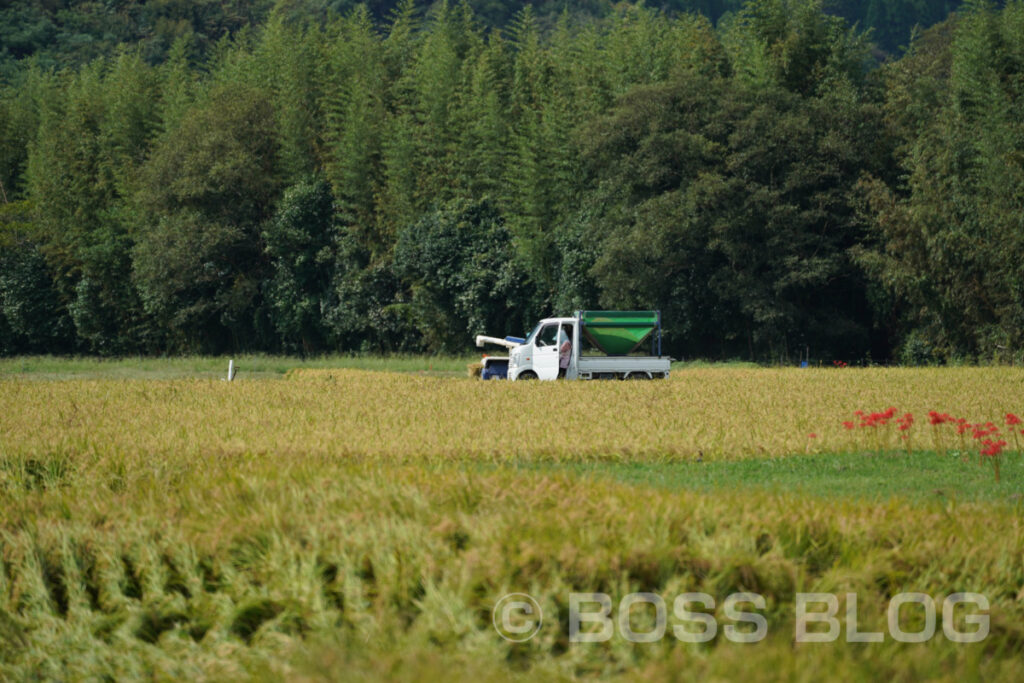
x: 545, y: 352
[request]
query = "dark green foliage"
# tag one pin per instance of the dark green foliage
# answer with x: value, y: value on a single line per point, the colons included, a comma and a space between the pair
x: 369, y: 309
x: 64, y: 33
x: 28, y: 304
x: 893, y: 21
x: 948, y: 228
x: 220, y: 161
x: 207, y: 189
x: 194, y: 282
x: 311, y: 175
x: 31, y: 316
x: 299, y: 241
x: 460, y: 264
x: 725, y: 201
x: 92, y: 133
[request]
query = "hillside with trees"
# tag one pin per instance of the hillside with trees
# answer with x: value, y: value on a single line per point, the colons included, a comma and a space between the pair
x: 306, y: 176
x: 63, y: 33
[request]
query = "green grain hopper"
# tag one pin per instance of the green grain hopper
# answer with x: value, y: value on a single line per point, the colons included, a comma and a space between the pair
x: 619, y: 333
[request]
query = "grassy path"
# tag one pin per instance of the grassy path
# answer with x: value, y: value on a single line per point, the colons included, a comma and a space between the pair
x: 921, y: 476
x: 257, y: 366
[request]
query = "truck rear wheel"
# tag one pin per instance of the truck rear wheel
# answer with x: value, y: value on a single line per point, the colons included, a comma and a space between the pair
x: 529, y: 374
x: 638, y: 375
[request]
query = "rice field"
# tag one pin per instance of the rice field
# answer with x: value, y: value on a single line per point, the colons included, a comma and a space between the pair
x: 344, y: 523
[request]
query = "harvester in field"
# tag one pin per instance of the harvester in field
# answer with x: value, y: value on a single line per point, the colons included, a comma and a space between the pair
x: 588, y: 345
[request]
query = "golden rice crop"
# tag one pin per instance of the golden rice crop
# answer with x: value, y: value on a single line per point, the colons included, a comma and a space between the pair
x: 715, y: 413
x: 253, y: 568
x: 345, y: 524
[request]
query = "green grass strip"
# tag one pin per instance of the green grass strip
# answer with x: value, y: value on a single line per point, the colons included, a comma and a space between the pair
x: 918, y: 477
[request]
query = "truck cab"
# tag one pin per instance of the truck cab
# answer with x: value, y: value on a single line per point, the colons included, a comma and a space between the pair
x: 537, y: 357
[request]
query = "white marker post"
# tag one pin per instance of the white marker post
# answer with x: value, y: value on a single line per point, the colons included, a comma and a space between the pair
x: 231, y: 370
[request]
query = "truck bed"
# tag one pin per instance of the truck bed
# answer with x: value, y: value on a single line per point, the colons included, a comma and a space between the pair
x: 656, y: 366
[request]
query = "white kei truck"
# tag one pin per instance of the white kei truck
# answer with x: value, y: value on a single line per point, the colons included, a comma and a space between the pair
x: 602, y: 345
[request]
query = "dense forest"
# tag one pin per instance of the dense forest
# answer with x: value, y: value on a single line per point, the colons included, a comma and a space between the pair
x: 780, y: 178
x: 65, y: 33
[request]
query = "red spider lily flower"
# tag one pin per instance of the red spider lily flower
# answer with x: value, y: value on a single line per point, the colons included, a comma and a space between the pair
x: 848, y: 425
x: 1012, y: 420
x: 963, y: 427
x: 982, y: 430
x: 992, y: 448
x: 884, y: 417
x: 812, y: 435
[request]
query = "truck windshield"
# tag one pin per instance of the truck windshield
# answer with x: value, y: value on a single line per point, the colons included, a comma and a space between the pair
x: 533, y: 333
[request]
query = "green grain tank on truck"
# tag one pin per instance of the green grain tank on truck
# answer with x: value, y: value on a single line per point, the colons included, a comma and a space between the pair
x: 601, y: 345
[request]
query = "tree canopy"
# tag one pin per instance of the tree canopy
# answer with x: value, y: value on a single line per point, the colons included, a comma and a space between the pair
x: 306, y: 175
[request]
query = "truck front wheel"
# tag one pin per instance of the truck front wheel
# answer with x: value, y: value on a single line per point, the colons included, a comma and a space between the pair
x: 529, y: 374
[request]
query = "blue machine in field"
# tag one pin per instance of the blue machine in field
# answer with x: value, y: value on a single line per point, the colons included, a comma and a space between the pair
x: 494, y: 368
